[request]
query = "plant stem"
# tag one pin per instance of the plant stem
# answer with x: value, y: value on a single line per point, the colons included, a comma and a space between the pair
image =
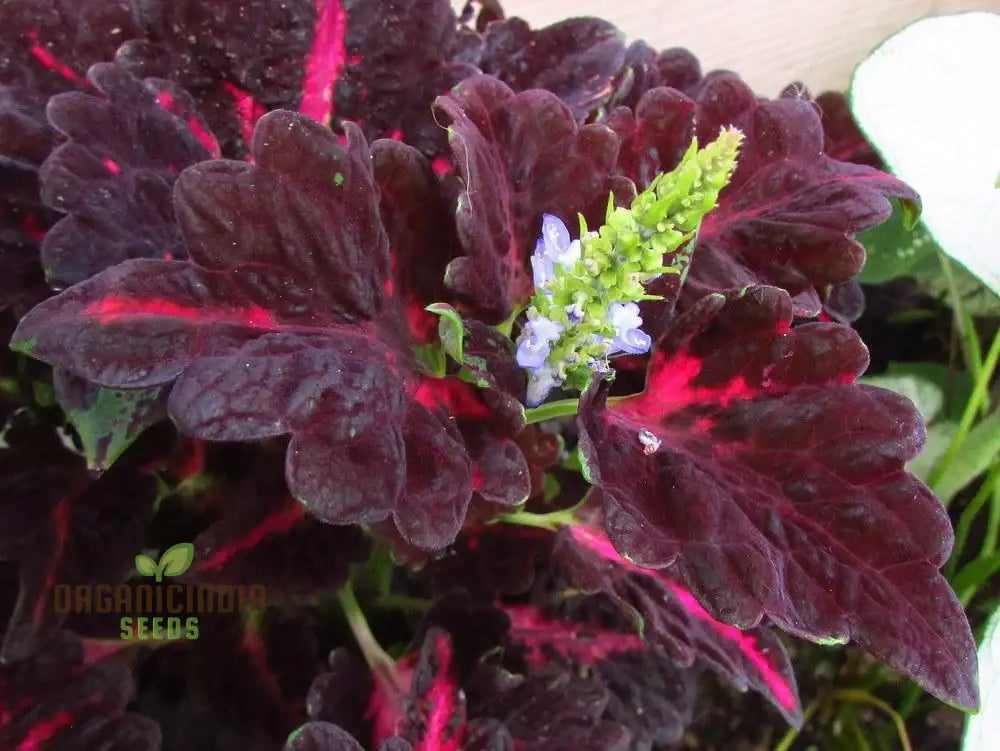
x: 962, y: 321
x: 792, y: 733
x: 863, y: 697
x: 560, y: 408
x: 976, y: 399
x: 992, y: 524
x: 375, y: 656
x: 552, y: 521
x: 969, y: 514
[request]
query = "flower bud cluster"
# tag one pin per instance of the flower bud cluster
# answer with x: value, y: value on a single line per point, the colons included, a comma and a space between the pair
x: 585, y: 308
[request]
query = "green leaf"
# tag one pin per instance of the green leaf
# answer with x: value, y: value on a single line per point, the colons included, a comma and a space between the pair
x: 939, y: 438
x: 451, y: 331
x: 973, y: 575
x: 893, y: 251
x: 176, y: 559
x: 107, y: 420
x: 982, y: 730
x: 979, y: 450
x: 145, y: 565
x: 955, y: 385
x: 926, y: 100
x: 926, y: 395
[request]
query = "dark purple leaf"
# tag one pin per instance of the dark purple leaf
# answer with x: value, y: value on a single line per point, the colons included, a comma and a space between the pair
x: 23, y: 222
x: 114, y: 175
x: 790, y: 212
x: 340, y: 695
x: 772, y: 485
x: 493, y: 562
x: 281, y: 322
x: 321, y: 736
x: 842, y: 138
x: 240, y: 59
x: 551, y: 709
x: 62, y: 527
x: 650, y: 695
x: 59, y: 699
x: 400, y: 55
x: 845, y: 302
x: 576, y: 59
x: 46, y: 47
x: 542, y: 636
x: 264, y: 537
x: 420, y: 702
x: 644, y: 69
x: 519, y: 156
x: 674, y: 621
x: 420, y: 225
x: 254, y: 670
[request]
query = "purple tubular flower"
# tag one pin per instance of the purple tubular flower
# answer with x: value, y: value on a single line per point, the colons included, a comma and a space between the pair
x: 554, y: 246
x: 629, y: 338
x: 538, y: 333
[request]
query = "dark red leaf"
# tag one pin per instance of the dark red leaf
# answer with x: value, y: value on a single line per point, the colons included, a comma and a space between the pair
x: 282, y: 322
x: 23, y: 222
x: 400, y: 55
x: 644, y: 69
x: 62, y: 527
x: 237, y: 59
x: 114, y: 175
x: 842, y: 138
x: 578, y: 642
x: 650, y: 695
x: 254, y: 670
x: 59, y: 700
x: 576, y: 59
x: 341, y: 694
x: 790, y: 212
x: 674, y: 621
x: 772, y: 485
x: 519, y: 156
x: 264, y: 537
x: 552, y: 709
x: 321, y: 736
x: 46, y: 48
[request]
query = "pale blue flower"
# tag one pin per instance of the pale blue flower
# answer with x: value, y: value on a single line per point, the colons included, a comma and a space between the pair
x: 554, y: 246
x: 540, y: 382
x: 536, y: 337
x: 629, y: 338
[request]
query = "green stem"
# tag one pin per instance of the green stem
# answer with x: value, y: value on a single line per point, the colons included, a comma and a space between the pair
x: 972, y: 407
x: 969, y: 514
x: 792, y: 733
x: 560, y: 408
x: 375, y: 656
x: 972, y: 354
x: 992, y: 524
x: 863, y: 697
x: 552, y: 521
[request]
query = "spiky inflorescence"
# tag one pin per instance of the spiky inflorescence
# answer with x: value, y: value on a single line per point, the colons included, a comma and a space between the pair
x: 586, y: 291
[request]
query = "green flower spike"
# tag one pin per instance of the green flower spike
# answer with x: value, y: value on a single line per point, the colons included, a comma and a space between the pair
x: 586, y: 291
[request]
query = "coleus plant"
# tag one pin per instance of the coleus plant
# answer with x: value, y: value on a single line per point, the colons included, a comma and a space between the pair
x: 354, y: 297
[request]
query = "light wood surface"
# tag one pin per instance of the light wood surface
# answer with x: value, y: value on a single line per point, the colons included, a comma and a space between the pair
x: 768, y: 42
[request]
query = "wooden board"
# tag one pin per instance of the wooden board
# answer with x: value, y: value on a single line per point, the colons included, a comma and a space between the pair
x: 768, y: 42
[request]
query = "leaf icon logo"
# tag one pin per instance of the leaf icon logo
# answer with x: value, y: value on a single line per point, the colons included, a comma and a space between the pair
x: 174, y: 561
